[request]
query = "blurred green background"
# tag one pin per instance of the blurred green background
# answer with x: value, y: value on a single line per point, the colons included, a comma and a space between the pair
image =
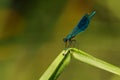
x: 31, y: 33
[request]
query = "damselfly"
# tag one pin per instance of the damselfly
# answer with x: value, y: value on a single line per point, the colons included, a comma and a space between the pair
x: 80, y: 27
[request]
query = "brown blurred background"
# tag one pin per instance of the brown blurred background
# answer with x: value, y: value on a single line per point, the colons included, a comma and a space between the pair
x: 31, y: 33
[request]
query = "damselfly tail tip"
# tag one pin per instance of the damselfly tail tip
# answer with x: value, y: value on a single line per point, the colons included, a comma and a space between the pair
x: 91, y: 14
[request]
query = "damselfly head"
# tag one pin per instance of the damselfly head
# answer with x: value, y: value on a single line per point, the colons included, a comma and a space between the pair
x: 65, y: 39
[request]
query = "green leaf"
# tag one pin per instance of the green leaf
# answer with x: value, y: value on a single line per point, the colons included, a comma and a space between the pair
x: 84, y: 57
x: 63, y: 59
x: 57, y: 66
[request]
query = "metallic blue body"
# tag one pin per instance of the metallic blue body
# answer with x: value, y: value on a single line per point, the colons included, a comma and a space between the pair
x: 81, y: 26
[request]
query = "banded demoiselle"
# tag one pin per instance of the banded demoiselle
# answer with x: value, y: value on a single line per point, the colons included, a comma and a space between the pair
x: 80, y: 27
